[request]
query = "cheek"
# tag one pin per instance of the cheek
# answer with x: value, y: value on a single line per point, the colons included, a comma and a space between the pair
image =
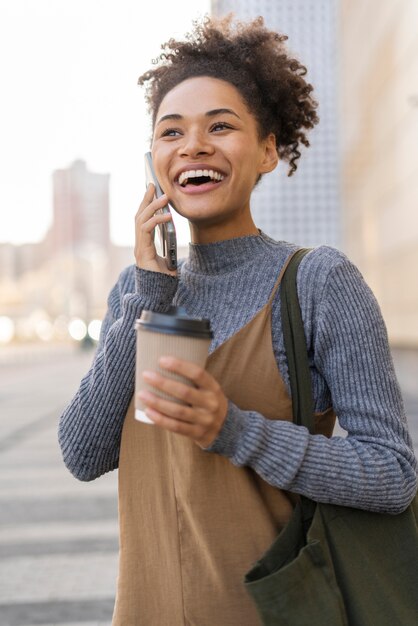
x: 244, y: 158
x: 159, y: 160
x: 237, y: 155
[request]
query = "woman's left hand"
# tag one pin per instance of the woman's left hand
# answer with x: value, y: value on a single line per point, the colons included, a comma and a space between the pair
x: 206, y: 409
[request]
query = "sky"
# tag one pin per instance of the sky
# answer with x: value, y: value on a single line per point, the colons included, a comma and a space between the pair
x: 69, y: 71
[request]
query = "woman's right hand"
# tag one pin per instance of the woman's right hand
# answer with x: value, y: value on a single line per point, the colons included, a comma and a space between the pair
x: 146, y: 221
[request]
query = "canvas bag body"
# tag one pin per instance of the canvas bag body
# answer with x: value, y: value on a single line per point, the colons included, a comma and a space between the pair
x: 333, y: 564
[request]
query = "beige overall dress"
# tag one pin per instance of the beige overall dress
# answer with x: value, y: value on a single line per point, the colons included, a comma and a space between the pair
x: 191, y: 523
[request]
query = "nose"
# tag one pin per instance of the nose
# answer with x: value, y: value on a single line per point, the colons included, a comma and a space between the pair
x: 195, y: 144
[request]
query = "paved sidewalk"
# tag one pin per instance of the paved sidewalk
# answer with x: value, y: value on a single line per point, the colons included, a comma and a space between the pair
x: 58, y: 536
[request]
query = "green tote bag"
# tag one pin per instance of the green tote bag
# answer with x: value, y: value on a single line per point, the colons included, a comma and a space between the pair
x: 333, y: 565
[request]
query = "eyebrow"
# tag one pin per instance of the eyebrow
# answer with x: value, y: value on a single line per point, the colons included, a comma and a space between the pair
x: 212, y: 113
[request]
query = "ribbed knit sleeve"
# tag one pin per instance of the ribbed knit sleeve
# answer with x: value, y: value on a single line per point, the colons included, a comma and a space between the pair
x: 374, y: 466
x: 90, y: 427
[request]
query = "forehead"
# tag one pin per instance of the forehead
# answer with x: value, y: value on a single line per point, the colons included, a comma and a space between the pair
x: 195, y: 96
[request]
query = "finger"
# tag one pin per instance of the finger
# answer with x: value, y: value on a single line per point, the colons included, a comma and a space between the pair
x: 168, y: 408
x: 190, y: 395
x: 198, y: 375
x: 150, y: 190
x: 150, y: 205
x: 173, y: 425
x: 149, y: 225
x: 147, y: 199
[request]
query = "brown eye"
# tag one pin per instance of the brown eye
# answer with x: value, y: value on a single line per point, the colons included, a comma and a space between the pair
x: 220, y: 126
x: 170, y: 132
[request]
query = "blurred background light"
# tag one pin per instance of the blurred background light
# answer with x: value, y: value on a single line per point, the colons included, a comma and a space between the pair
x: 77, y: 329
x: 94, y: 329
x: 44, y: 330
x: 61, y: 327
x: 7, y: 329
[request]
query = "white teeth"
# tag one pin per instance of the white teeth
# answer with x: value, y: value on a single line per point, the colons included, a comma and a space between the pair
x: 184, y: 176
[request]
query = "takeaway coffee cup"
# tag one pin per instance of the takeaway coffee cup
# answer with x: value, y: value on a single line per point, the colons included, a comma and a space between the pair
x: 167, y: 334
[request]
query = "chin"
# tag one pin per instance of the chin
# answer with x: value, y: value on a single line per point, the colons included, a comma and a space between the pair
x: 198, y: 215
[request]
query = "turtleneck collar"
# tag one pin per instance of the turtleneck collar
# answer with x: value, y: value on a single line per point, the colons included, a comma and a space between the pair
x: 224, y: 256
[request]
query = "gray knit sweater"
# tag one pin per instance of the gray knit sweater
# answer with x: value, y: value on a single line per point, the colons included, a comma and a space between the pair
x: 228, y: 282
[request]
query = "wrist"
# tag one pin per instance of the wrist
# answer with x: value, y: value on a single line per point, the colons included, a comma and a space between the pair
x: 156, y: 289
x: 231, y: 431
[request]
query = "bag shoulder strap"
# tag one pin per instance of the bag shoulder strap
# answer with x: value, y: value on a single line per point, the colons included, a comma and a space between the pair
x: 295, y: 345
x: 298, y: 364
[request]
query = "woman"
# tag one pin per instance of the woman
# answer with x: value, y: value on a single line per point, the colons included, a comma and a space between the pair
x: 204, y: 491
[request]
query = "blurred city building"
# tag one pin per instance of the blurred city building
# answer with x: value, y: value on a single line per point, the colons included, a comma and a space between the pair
x: 379, y: 139
x: 47, y: 286
x: 80, y: 209
x: 304, y: 208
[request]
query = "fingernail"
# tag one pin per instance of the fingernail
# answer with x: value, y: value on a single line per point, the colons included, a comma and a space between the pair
x: 149, y: 414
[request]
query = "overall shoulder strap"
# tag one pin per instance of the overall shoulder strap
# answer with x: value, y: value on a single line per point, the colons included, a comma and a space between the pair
x: 295, y: 345
x: 281, y: 274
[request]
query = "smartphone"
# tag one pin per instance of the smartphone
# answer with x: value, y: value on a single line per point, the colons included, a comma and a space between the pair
x: 165, y: 241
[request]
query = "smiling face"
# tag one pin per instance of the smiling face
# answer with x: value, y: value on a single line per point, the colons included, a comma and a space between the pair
x: 207, y: 155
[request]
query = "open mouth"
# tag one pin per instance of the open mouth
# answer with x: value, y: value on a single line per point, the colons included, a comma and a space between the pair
x: 199, y: 177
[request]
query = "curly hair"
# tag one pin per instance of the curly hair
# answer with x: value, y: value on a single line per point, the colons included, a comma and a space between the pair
x: 255, y: 61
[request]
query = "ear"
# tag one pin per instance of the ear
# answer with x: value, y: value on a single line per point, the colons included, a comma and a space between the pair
x: 270, y: 158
